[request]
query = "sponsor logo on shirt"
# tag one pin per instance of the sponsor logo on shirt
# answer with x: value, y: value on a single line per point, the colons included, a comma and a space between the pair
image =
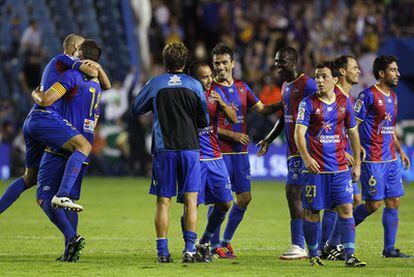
x: 301, y: 113
x: 175, y: 80
x: 205, y: 131
x: 358, y: 105
x: 382, y: 128
x: 240, y: 119
x: 288, y: 118
x: 88, y: 125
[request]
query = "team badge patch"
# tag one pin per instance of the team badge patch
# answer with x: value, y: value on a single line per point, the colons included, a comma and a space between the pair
x: 358, y: 105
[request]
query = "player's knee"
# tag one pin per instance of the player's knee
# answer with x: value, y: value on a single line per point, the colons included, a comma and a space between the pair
x: 392, y: 203
x: 312, y: 216
x: 345, y: 211
x: 372, y: 206
x: 224, y: 207
x: 30, y: 177
x: 243, y: 200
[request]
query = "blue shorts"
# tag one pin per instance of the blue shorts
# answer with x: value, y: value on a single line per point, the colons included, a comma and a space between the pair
x: 381, y: 180
x: 296, y: 175
x: 215, y: 183
x: 44, y: 128
x: 51, y: 170
x: 326, y: 191
x: 238, y: 167
x: 355, y: 188
x: 170, y: 168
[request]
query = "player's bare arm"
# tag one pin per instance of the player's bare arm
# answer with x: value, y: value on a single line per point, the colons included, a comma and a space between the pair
x: 234, y: 136
x: 356, y: 148
x: 273, y: 134
x: 310, y: 163
x: 47, y: 98
x: 103, y: 78
x: 89, y: 70
x: 228, y: 111
x: 267, y: 109
x: 405, y: 160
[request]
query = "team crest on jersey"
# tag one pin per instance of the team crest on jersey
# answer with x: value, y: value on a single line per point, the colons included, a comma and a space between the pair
x: 326, y: 126
x: 88, y: 125
x: 175, y: 80
x: 358, y: 105
x: 329, y: 109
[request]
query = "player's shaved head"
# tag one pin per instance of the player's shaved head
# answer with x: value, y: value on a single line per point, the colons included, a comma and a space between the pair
x: 175, y: 56
x: 90, y: 50
x: 290, y: 53
x: 71, y: 43
x: 194, y: 67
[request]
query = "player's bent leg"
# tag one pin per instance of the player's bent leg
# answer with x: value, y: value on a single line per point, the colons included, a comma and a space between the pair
x: 81, y: 149
x: 366, y: 209
x: 18, y: 186
x: 297, y: 248
x: 161, y: 222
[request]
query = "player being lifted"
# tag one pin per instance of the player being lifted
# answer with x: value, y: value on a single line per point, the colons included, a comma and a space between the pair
x: 376, y: 112
x: 179, y: 107
x: 234, y: 140
x: 320, y: 138
x: 43, y: 126
x: 330, y: 246
x: 295, y: 88
x: 215, y: 180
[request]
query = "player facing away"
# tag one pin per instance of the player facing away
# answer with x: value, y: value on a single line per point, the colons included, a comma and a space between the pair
x: 45, y: 121
x: 376, y: 113
x: 330, y: 244
x: 320, y: 138
x: 234, y: 140
x: 295, y: 88
x: 80, y: 107
x: 179, y: 107
x: 215, y: 181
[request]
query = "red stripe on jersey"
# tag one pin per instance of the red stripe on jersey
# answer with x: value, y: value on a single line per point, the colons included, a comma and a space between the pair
x: 376, y: 134
x: 341, y: 101
x: 314, y: 126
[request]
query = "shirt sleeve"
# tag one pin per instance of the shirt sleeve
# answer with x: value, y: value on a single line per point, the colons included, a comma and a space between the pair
x: 251, y: 98
x: 143, y: 101
x: 310, y: 87
x: 303, y: 113
x: 349, y: 115
x: 69, y: 61
x: 362, y: 104
x: 65, y: 83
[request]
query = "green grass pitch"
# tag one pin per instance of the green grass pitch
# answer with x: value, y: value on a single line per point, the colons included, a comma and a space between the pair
x: 118, y: 226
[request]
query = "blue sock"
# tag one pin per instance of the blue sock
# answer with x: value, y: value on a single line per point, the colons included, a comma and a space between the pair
x: 72, y: 169
x: 335, y: 238
x: 215, y: 218
x: 390, y: 223
x: 328, y: 225
x: 296, y: 231
x: 189, y: 239
x: 311, y: 230
x: 12, y: 193
x: 58, y: 217
x: 347, y: 229
x: 73, y: 220
x: 215, y: 239
x: 360, y: 213
x: 235, y: 217
x: 162, y: 247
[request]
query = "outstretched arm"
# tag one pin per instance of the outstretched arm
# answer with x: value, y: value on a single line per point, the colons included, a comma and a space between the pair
x: 103, y: 78
x: 267, y: 109
x: 233, y: 136
x: 274, y: 133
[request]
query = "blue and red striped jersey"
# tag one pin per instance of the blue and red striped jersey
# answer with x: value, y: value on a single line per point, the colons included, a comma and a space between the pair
x: 338, y: 90
x: 378, y: 113
x: 325, y: 135
x: 292, y: 94
x: 209, y: 142
x: 242, y: 98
